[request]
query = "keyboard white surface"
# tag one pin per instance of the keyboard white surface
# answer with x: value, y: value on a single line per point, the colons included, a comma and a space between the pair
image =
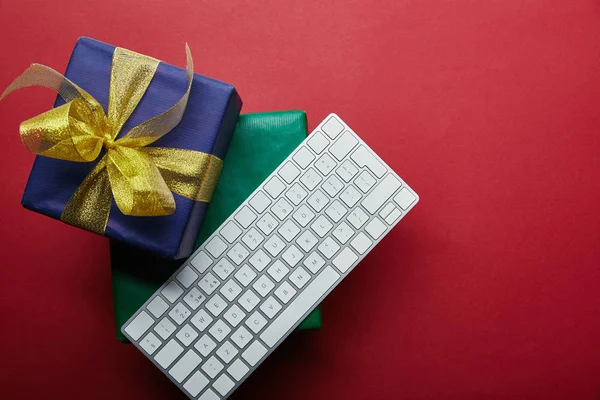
x: 270, y: 263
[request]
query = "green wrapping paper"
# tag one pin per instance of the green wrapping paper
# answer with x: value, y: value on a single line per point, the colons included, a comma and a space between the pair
x: 260, y: 143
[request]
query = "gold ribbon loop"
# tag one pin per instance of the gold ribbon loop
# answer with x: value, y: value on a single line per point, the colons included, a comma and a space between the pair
x: 66, y: 132
x: 139, y: 179
x: 138, y: 187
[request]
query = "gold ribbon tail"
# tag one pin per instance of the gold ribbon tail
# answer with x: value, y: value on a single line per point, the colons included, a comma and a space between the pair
x: 89, y: 207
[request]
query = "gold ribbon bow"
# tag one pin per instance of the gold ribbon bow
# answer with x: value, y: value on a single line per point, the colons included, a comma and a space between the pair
x: 139, y: 178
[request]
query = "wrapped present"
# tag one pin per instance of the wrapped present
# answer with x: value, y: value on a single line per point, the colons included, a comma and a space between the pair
x: 132, y: 150
x: 260, y: 143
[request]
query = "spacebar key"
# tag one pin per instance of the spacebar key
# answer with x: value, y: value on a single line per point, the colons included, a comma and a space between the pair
x: 297, y: 308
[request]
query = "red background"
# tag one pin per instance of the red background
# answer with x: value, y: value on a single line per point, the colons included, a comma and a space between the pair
x: 490, y: 288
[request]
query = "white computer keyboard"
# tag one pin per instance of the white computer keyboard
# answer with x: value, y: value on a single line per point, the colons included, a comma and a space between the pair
x: 271, y: 263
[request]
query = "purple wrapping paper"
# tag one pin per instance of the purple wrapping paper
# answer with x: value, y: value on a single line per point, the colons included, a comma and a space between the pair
x: 207, y: 125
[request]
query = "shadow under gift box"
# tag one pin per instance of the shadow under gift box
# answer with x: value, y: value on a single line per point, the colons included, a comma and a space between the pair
x: 207, y: 126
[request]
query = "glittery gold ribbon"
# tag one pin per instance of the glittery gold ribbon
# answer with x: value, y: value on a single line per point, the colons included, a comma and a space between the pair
x: 140, y: 179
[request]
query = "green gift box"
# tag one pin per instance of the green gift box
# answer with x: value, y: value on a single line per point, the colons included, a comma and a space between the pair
x: 260, y: 143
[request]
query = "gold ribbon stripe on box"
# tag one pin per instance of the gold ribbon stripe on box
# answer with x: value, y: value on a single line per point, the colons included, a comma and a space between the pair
x: 140, y: 179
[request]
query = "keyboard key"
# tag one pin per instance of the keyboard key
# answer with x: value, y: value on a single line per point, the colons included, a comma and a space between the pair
x: 249, y: 300
x: 307, y: 241
x: 296, y: 194
x: 314, y: 262
x: 216, y: 246
x: 245, y: 217
x: 196, y: 384
x: 321, y: 226
x: 311, y: 179
x: 270, y: 307
x: 238, y: 370
x: 185, y: 366
x: 164, y: 328
x: 263, y: 285
x: 361, y: 243
x: 365, y: 181
x: 305, y: 301
x: 230, y: 231
x: 187, y: 277
x: 282, y: 208
x: 382, y: 192
x: 292, y: 256
x: 375, y: 228
x: 201, y: 261
x: 254, y: 353
x: 168, y: 353
x: 332, y: 127
x: 364, y: 158
x: 150, y: 343
x: 333, y: 185
x: 404, y: 198
x: 267, y: 224
x: 226, y: 352
x: 288, y: 172
x: 245, y: 275
x: 209, y: 395
x: 393, y: 216
x: 385, y: 211
x: 285, y: 292
x: 201, y: 320
x: 303, y: 215
x: 325, y: 164
x: 259, y: 202
x: 223, y: 268
x: 157, y: 306
x: 274, y: 245
x: 208, y: 283
x: 347, y: 170
x: 303, y: 157
x: 205, y: 345
x: 212, y: 367
x: 260, y: 260
x: 336, y: 211
x: 328, y: 247
x: 318, y: 200
x: 343, y: 145
x: 358, y: 218
x: 234, y: 315
x: 317, y: 142
x: 274, y: 187
x: 344, y: 260
x: 219, y: 330
x: 179, y: 313
x: 216, y: 305
x: 256, y: 322
x: 238, y: 253
x: 223, y: 385
x: 230, y: 290
x: 343, y: 232
x: 299, y: 277
x: 172, y: 291
x: 186, y: 335
x: 139, y: 325
x: 289, y: 230
x: 253, y: 238
x: 350, y: 196
x: 241, y: 337
x: 278, y: 271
